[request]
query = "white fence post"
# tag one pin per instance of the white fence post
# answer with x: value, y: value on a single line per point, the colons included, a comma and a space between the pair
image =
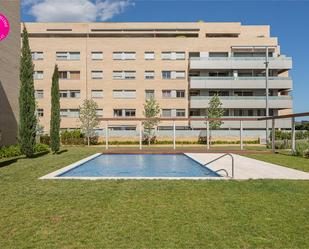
x: 273, y: 136
x: 293, y: 135
x: 140, y: 135
x: 207, y: 136
x: 241, y: 136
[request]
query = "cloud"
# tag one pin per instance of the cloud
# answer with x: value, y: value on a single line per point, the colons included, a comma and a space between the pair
x: 76, y: 10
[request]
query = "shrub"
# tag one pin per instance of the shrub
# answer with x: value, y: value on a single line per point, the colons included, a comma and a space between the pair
x: 39, y: 148
x: 283, y: 135
x: 10, y: 151
x: 45, y: 139
x: 306, y: 153
x: 75, y: 137
x: 301, y: 147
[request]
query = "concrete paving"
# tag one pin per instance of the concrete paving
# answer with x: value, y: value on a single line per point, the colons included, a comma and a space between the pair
x: 247, y: 168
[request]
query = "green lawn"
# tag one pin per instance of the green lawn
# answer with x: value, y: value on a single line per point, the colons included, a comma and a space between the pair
x: 294, y: 162
x: 146, y: 214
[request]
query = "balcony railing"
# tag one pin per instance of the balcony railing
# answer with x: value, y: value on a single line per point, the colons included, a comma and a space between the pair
x: 242, y: 97
x: 238, y: 78
x: 240, y: 58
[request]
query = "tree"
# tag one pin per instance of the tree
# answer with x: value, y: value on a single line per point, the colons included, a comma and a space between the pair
x: 27, y: 105
x: 151, y: 111
x: 215, y: 111
x: 88, y: 118
x: 55, y: 113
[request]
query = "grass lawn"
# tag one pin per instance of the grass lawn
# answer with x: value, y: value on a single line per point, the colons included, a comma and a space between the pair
x: 146, y: 214
x: 294, y: 162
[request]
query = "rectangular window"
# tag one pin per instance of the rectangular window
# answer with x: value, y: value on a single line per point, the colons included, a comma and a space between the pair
x: 121, y: 75
x: 173, y: 55
x: 39, y: 94
x: 124, y: 55
x: 36, y: 56
x: 97, y: 56
x: 218, y: 54
x: 129, y: 112
x: 96, y: 94
x: 69, y: 75
x: 166, y: 93
x: 166, y: 55
x: 180, y: 112
x: 99, y: 113
x: 117, y: 112
x: 166, y: 75
x: 124, y: 94
x: 124, y: 112
x: 149, y: 94
x: 166, y: 112
x: 96, y: 75
x: 40, y: 112
x: 180, y: 74
x: 149, y: 75
x: 68, y: 56
x: 180, y: 94
x: 69, y: 93
x: 149, y: 55
x: 38, y: 75
x: 180, y: 55
x: 69, y: 113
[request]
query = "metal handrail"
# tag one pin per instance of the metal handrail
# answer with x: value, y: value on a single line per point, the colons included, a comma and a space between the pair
x: 216, y: 159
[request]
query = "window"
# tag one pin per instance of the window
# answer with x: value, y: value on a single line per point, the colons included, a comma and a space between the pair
x: 166, y: 112
x: 124, y: 94
x: 69, y: 93
x: 124, y: 55
x: 222, y: 35
x: 96, y: 75
x: 149, y: 75
x: 219, y: 93
x: 180, y: 94
x: 69, y: 113
x: 252, y: 54
x: 121, y: 75
x: 180, y: 112
x: 38, y: 75
x: 40, y: 112
x: 166, y: 75
x: 68, y: 56
x: 124, y: 112
x: 218, y: 54
x: 99, y: 113
x: 97, y: 55
x: 97, y: 94
x: 166, y: 93
x: 129, y: 112
x: 69, y: 75
x: 173, y: 75
x: 149, y: 94
x: 173, y: 55
x: 36, y: 56
x: 149, y: 55
x: 39, y: 94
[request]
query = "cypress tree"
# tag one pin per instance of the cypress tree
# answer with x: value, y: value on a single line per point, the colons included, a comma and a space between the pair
x: 55, y: 113
x: 27, y: 104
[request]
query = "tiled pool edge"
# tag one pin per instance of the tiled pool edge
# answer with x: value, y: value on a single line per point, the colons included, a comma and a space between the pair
x: 54, y: 175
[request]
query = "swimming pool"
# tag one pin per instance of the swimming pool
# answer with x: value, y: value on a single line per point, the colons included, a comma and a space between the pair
x: 136, y: 166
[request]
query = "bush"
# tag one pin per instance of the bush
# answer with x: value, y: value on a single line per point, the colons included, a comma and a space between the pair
x: 75, y: 137
x: 10, y: 151
x: 286, y: 135
x: 306, y: 153
x: 301, y: 147
x: 45, y: 139
x: 39, y: 148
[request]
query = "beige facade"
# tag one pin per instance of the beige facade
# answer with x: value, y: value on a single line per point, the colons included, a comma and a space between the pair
x: 9, y: 74
x: 199, y: 58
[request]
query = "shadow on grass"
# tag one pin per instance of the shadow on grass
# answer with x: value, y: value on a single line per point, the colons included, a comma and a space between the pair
x: 61, y: 151
x: 9, y: 161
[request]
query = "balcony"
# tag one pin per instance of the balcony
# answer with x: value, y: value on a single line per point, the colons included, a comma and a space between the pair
x: 275, y: 102
x: 239, y: 83
x: 281, y: 63
x: 280, y: 123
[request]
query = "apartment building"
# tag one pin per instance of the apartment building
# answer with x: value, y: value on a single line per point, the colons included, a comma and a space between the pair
x: 9, y: 74
x: 181, y: 65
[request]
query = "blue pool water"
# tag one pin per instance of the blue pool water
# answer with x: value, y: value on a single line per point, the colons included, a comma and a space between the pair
x: 129, y: 165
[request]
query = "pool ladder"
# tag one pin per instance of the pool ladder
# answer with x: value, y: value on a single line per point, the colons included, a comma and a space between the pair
x: 216, y: 159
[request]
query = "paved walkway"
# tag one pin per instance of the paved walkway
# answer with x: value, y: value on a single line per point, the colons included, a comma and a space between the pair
x: 247, y: 168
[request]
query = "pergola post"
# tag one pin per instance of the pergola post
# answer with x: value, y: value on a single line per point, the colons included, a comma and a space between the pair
x: 174, y: 134
x: 140, y: 135
x: 106, y: 135
x: 208, y: 142
x: 241, y: 135
x: 293, y: 135
x: 273, y: 136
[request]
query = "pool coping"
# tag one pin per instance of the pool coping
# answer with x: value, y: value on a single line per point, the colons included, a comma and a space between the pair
x: 55, y: 174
